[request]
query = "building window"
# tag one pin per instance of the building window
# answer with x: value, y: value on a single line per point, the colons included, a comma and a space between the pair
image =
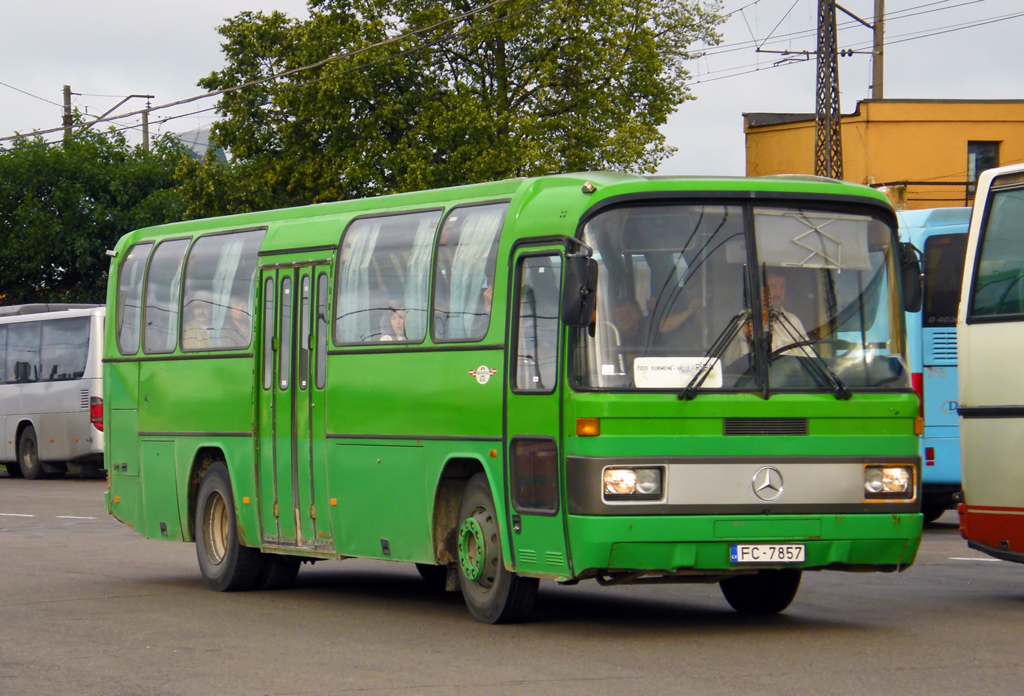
x: 981, y: 155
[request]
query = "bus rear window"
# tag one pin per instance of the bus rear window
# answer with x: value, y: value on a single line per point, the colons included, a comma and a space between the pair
x: 943, y: 273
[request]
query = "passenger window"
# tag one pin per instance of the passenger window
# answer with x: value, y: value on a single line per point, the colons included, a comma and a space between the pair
x: 163, y: 287
x: 383, y: 276
x: 537, y: 325
x: 129, y: 299
x: 217, y: 303
x: 64, y: 348
x: 321, y: 331
x: 464, y: 280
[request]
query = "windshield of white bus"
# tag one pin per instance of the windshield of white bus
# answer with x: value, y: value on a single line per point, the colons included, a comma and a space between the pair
x: 678, y: 284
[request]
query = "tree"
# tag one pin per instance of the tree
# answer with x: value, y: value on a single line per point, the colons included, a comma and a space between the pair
x: 63, y: 205
x: 513, y: 88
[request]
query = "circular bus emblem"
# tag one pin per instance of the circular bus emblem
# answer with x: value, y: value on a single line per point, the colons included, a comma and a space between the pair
x: 767, y: 483
x: 483, y: 374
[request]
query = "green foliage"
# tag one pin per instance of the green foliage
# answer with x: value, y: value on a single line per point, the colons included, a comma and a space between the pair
x: 522, y: 88
x: 62, y: 206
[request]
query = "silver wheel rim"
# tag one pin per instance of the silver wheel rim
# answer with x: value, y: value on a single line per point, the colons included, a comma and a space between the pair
x: 215, y: 528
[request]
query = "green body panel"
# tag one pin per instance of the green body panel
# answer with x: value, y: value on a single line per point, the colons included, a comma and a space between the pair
x: 379, y: 446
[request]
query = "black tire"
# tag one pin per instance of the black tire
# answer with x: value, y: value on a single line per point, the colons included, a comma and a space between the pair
x: 13, y: 469
x: 767, y: 592
x: 225, y: 564
x: 932, y: 511
x: 277, y: 572
x: 492, y: 593
x: 435, y: 576
x: 28, y: 455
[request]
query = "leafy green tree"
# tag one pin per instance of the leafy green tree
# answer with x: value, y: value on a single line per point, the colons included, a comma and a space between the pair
x: 511, y: 88
x: 63, y: 205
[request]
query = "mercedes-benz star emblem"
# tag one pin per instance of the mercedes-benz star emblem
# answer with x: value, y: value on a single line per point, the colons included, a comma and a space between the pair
x: 768, y: 483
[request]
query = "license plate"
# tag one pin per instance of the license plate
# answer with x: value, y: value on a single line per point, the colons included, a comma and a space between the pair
x: 766, y: 553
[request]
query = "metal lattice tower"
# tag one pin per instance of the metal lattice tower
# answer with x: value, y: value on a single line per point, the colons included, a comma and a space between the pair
x: 828, y: 145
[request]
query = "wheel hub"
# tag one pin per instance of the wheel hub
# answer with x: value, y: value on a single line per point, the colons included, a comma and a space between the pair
x: 471, y: 548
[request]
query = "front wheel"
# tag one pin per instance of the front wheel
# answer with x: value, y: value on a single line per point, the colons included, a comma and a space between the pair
x: 492, y: 593
x: 767, y: 592
x: 225, y: 564
x: 28, y: 455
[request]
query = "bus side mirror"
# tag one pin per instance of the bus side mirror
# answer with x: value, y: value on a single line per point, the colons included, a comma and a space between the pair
x: 579, y: 291
x: 910, y: 261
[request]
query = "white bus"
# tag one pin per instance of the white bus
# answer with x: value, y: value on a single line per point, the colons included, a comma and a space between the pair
x: 990, y: 333
x: 51, y: 391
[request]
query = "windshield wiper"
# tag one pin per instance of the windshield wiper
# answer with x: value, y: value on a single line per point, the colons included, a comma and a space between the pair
x: 818, y: 367
x: 714, y: 354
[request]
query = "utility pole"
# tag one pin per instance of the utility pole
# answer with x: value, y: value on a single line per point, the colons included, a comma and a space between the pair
x: 145, y: 127
x: 67, y: 112
x: 828, y: 146
x: 877, y: 59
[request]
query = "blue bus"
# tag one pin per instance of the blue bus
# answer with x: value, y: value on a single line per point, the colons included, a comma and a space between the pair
x: 941, y: 235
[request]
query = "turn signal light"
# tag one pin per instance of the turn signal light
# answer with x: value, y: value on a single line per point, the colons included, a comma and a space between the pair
x: 588, y: 427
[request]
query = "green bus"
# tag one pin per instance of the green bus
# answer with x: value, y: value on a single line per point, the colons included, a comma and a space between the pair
x: 582, y: 376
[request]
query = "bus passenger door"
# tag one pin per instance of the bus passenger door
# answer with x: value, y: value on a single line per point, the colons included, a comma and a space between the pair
x: 536, y: 514
x: 291, y: 416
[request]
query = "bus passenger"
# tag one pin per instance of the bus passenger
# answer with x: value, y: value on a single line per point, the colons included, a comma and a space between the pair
x: 394, y: 330
x: 196, y: 333
x: 237, y: 327
x: 683, y: 327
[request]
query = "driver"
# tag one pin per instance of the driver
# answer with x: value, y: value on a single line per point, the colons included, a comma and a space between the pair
x: 786, y: 327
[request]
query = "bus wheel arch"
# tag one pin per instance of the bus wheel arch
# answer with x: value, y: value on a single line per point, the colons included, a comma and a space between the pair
x: 203, y: 459
x: 447, y: 497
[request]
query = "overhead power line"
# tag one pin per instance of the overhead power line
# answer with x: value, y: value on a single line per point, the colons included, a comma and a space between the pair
x: 293, y: 71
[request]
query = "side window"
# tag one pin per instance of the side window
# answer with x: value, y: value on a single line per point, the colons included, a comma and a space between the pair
x: 321, y: 331
x: 943, y: 272
x: 537, y: 321
x: 464, y: 277
x: 163, y: 287
x: 999, y: 280
x: 23, y: 358
x: 3, y: 355
x: 535, y: 476
x: 129, y: 299
x: 268, y: 333
x: 383, y: 276
x: 217, y: 303
x: 65, y: 348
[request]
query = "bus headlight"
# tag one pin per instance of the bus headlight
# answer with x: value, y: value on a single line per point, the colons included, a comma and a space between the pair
x: 887, y: 482
x: 632, y: 483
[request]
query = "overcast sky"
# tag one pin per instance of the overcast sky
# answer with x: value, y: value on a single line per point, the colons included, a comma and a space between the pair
x: 106, y: 50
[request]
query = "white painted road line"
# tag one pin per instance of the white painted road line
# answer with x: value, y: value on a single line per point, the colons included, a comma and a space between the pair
x: 72, y: 517
x: 981, y: 560
x: 13, y: 514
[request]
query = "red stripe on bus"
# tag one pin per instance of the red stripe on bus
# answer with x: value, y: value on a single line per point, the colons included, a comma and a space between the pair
x: 990, y: 526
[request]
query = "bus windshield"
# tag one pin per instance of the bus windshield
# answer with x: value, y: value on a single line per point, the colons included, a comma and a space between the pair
x: 678, y: 284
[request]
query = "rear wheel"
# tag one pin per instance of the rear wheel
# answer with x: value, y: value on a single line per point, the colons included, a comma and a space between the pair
x: 492, y: 593
x: 225, y: 564
x: 28, y: 455
x: 767, y: 592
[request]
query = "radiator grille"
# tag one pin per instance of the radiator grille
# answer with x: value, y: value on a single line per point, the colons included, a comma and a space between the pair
x: 527, y: 556
x: 765, y: 426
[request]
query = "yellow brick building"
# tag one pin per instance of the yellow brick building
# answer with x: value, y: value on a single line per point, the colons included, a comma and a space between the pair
x: 922, y: 153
